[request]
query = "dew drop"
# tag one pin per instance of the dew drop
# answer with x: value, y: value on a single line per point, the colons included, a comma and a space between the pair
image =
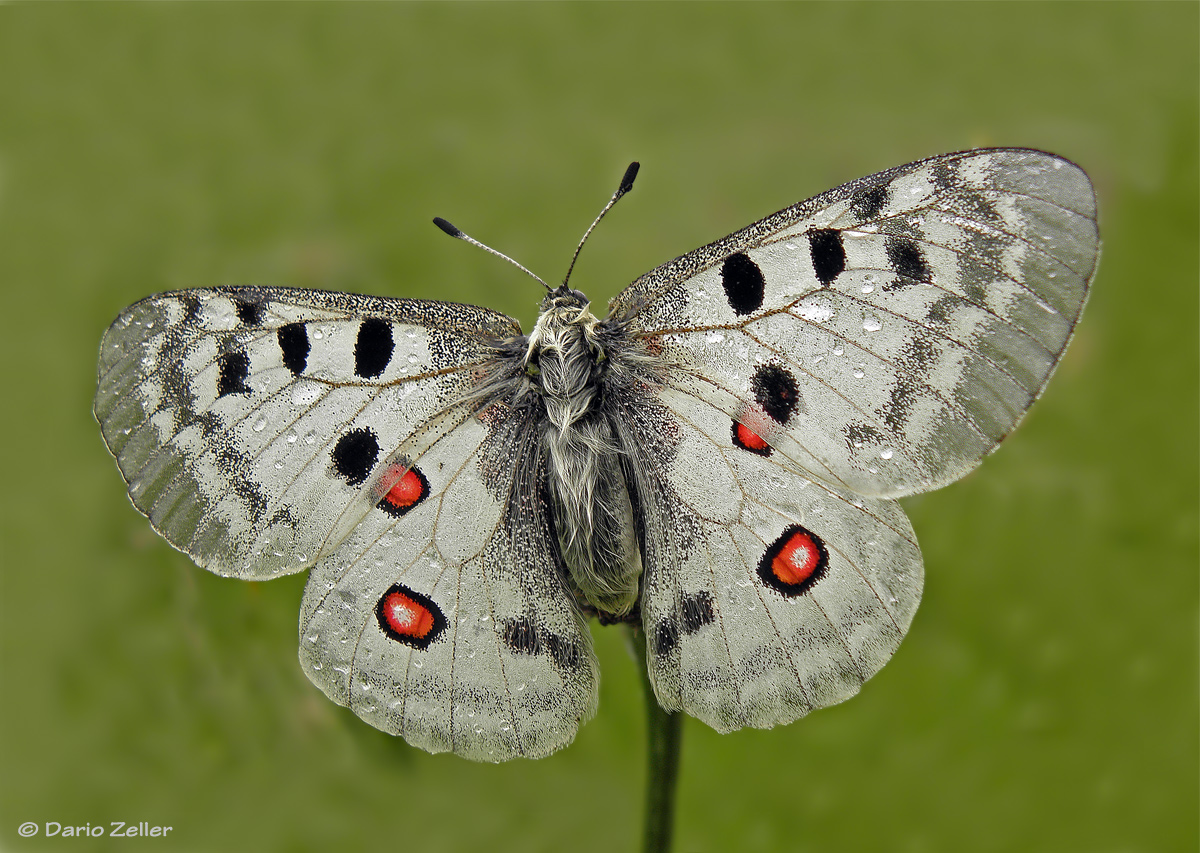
x: 872, y: 324
x: 886, y: 453
x: 260, y: 424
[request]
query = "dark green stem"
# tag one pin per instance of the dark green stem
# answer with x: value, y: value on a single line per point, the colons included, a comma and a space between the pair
x: 662, y: 751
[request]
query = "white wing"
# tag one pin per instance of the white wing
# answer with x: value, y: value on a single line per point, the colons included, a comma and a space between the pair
x: 267, y: 431
x: 766, y: 594
x: 886, y: 335
x: 449, y: 624
x: 247, y: 421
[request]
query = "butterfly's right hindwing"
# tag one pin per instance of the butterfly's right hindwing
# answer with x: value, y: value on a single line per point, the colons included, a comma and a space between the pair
x: 767, y: 594
x: 246, y: 421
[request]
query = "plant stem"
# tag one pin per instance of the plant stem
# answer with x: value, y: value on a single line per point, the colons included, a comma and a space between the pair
x: 663, y: 732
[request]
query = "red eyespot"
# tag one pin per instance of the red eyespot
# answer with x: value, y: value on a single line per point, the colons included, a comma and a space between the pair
x: 747, y: 438
x: 409, y: 617
x: 794, y: 562
x: 750, y: 427
x: 405, y: 493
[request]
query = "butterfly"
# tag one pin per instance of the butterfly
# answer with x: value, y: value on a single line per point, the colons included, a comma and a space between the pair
x: 717, y: 461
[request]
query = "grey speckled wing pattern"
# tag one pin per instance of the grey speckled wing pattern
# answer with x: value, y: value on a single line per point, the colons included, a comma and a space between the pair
x: 716, y: 461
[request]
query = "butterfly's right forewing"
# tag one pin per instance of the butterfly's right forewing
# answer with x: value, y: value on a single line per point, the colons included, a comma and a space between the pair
x: 909, y: 318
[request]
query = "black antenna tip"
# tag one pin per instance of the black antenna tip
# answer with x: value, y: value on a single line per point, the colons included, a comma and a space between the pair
x: 630, y: 174
x: 447, y: 227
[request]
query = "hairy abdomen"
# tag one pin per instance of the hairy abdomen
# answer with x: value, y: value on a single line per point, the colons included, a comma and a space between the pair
x: 593, y: 514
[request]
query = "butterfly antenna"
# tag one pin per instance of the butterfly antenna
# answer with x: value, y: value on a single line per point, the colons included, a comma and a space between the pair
x: 454, y: 232
x: 626, y: 186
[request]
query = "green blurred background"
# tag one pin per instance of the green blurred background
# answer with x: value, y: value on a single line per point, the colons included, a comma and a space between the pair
x: 1046, y: 697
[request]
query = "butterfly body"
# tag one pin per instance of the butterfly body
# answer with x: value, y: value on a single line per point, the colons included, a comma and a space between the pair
x: 717, y: 460
x: 575, y: 365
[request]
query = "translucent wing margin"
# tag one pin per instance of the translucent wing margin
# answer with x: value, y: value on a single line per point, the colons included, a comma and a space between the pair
x: 248, y: 421
x: 906, y: 320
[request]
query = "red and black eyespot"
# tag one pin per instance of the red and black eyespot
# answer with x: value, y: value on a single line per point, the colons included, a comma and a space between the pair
x: 794, y: 562
x: 748, y: 439
x: 405, y: 493
x: 409, y: 617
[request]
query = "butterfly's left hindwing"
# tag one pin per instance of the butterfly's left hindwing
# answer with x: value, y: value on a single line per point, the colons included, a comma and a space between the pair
x: 450, y: 625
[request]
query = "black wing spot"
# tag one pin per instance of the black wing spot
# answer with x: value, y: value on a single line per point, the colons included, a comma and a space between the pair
x: 776, y: 391
x: 945, y: 175
x: 906, y: 258
x: 355, y: 455
x: 565, y: 652
x: 867, y: 204
x: 666, y: 638
x: 374, y: 347
x: 743, y: 282
x: 250, y: 312
x: 696, y: 611
x: 521, y: 636
x: 235, y: 369
x: 828, y: 254
x: 295, y: 346
x: 858, y: 434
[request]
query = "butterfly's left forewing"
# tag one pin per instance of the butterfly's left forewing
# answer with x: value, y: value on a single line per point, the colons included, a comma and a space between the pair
x: 247, y: 421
